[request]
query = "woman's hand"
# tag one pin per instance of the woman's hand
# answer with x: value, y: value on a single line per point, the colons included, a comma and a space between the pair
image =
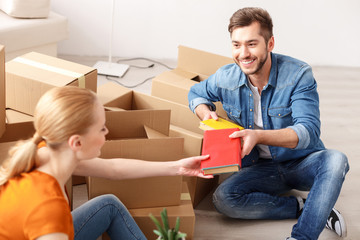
x: 191, y: 167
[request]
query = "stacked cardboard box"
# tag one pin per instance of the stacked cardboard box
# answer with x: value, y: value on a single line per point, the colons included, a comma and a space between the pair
x: 183, y: 123
x: 139, y: 125
x: 193, y: 66
x: 156, y: 128
x: 24, y: 80
x: 169, y: 91
x: 29, y: 76
x: 130, y: 136
x: 184, y: 211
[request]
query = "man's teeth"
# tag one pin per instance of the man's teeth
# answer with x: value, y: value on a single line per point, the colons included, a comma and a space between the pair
x: 247, y: 62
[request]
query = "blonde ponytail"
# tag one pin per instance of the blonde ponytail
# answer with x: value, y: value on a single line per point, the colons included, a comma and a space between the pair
x: 22, y: 158
x: 60, y: 113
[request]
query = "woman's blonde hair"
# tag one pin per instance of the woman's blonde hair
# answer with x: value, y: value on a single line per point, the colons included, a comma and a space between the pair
x: 60, y: 113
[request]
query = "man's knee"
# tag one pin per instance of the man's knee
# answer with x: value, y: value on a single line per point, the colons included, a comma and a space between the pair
x: 338, y: 163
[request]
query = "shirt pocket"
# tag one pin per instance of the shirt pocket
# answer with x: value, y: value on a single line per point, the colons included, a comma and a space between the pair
x: 280, y: 117
x: 233, y: 113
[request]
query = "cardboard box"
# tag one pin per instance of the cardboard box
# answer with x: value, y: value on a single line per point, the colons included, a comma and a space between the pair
x: 2, y: 89
x: 127, y: 138
x: 198, y: 187
x: 184, y: 124
x: 28, y: 77
x: 185, y: 211
x: 193, y: 66
x: 114, y: 95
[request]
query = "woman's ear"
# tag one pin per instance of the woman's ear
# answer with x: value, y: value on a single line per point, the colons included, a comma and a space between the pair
x: 75, y: 142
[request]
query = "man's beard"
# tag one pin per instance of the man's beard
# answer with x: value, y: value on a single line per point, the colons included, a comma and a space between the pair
x: 259, y: 67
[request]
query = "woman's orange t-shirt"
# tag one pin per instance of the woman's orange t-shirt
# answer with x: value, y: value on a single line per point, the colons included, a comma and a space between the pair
x: 33, y: 205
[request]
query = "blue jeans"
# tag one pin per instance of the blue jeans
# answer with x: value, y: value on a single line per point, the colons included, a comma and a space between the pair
x: 256, y: 192
x: 104, y: 214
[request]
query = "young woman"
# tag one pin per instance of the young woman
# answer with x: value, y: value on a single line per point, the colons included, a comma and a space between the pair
x: 70, y: 121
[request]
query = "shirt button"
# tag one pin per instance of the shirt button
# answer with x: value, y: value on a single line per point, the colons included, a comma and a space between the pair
x: 249, y: 126
x: 279, y: 114
x: 250, y: 95
x: 250, y: 109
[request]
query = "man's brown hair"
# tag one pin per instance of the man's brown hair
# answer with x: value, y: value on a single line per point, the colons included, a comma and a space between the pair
x: 246, y: 16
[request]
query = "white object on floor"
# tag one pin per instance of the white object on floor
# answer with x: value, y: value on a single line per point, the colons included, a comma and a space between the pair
x: 109, y: 68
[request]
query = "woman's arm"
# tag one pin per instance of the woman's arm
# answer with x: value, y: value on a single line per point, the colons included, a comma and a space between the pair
x: 121, y: 168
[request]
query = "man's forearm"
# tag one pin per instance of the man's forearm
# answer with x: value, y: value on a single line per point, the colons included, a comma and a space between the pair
x: 286, y: 137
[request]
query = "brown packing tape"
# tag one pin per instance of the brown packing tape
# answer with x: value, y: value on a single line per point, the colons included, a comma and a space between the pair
x: 81, y: 81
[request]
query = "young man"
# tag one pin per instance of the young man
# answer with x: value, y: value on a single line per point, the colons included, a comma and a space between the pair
x: 274, y: 97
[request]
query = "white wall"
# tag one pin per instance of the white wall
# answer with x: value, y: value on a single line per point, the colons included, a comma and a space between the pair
x: 320, y: 32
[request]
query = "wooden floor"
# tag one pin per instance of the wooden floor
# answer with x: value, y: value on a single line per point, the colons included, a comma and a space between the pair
x: 339, y: 90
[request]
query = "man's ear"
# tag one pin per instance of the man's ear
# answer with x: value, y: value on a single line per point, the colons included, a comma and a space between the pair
x: 271, y: 44
x: 75, y: 142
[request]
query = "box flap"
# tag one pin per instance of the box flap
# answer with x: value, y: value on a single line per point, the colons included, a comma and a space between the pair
x: 113, y: 109
x: 13, y: 116
x: 130, y: 124
x: 176, y: 78
x: 114, y: 95
x: 17, y: 131
x: 151, y: 133
x: 200, y: 62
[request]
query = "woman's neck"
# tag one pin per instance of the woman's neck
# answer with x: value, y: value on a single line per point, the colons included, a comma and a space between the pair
x: 60, y: 164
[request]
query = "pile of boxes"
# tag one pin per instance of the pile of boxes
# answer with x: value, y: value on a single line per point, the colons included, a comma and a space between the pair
x: 159, y: 127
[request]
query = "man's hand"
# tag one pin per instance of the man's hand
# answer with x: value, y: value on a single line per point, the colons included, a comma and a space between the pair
x: 204, y: 113
x: 249, y: 138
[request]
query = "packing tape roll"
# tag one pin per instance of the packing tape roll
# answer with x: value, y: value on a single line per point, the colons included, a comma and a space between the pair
x: 79, y: 76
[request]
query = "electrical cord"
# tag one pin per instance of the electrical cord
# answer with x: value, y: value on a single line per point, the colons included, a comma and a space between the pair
x: 128, y: 86
x: 115, y: 79
x: 146, y: 59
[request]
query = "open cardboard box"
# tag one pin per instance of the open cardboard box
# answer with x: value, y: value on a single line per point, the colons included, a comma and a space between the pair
x: 114, y: 95
x: 184, y: 211
x: 128, y: 138
x: 184, y: 124
x: 193, y: 66
x: 198, y: 187
x: 29, y: 76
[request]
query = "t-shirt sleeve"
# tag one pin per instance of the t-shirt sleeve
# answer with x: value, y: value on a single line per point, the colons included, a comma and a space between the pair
x: 51, y: 216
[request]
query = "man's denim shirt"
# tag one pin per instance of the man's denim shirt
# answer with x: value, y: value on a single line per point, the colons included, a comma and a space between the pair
x: 289, y: 100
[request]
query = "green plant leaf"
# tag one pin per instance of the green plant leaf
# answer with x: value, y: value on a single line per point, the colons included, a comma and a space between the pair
x: 171, y: 234
x: 165, y: 220
x: 157, y: 232
x: 158, y: 225
x: 177, y: 224
x: 180, y: 236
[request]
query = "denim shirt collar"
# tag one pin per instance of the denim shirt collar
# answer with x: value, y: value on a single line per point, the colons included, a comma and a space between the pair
x: 273, y: 71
